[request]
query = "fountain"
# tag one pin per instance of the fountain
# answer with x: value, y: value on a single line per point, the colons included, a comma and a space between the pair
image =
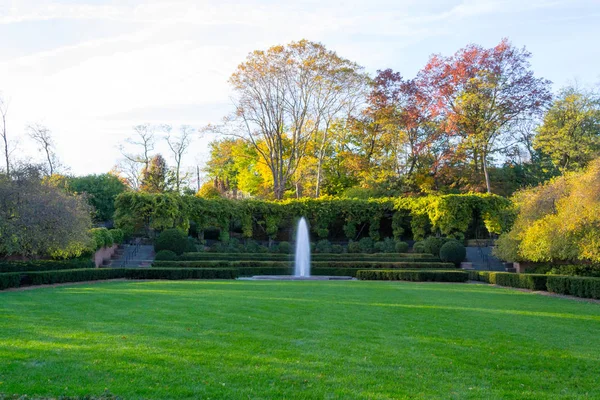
x: 302, y: 256
x: 301, y: 260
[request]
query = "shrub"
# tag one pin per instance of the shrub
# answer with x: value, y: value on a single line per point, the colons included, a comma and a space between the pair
x: 171, y: 239
x: 379, y: 247
x: 190, y: 246
x: 102, y: 237
x: 575, y: 286
x: 390, y: 257
x: 323, y: 246
x: 366, y: 245
x: 419, y: 247
x: 401, y: 247
x: 576, y: 270
x: 453, y: 251
x: 166, y: 255
x: 45, y: 265
x: 288, y: 263
x: 117, y: 235
x: 251, y: 246
x: 353, y: 247
x: 10, y: 280
x: 524, y: 281
x: 481, y: 276
x: 285, y: 247
x: 432, y: 245
x: 337, y: 249
x: 415, y: 276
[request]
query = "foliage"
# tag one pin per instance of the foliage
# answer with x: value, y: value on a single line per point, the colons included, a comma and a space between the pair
x: 419, y: 247
x: 453, y: 251
x: 171, y: 239
x: 165, y: 255
x: 366, y: 245
x: 284, y: 247
x: 208, y: 191
x: 38, y: 219
x: 524, y: 281
x: 323, y: 246
x: 575, y: 286
x: 102, y: 238
x: 157, y: 178
x: 570, y: 133
x: 118, y: 236
x: 45, y: 265
x: 401, y: 247
x: 576, y: 270
x: 100, y: 192
x: 432, y: 245
x: 557, y: 221
x: 415, y: 276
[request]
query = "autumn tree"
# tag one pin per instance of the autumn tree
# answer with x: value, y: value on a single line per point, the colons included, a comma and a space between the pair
x: 137, y: 151
x: 570, y: 133
x: 157, y: 177
x: 284, y: 96
x: 4, y: 133
x: 479, y: 94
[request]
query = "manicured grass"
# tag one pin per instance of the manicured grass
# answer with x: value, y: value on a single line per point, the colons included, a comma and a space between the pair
x: 266, y: 340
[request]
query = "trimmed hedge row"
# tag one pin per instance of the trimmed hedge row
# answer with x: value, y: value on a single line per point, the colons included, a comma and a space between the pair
x: 414, y: 276
x: 523, y: 281
x: 44, y: 265
x: 288, y: 264
x: 16, y: 279
x: 314, y: 257
x: 575, y: 286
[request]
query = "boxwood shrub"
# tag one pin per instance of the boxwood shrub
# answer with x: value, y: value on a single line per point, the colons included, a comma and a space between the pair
x: 171, y: 239
x: 315, y: 264
x: 45, y: 265
x: 315, y: 257
x: 415, y: 276
x: 574, y: 285
x: 10, y: 280
x: 165, y: 255
x: 524, y: 281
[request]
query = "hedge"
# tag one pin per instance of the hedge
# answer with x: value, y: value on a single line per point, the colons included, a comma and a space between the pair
x: 44, y: 265
x: 523, y: 281
x: 287, y: 264
x: 314, y: 257
x: 574, y: 285
x: 15, y: 279
x: 481, y: 276
x: 10, y: 280
x: 251, y: 271
x: 415, y: 276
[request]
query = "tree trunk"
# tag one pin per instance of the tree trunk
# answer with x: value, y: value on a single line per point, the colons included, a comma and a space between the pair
x: 5, y: 145
x: 485, y: 173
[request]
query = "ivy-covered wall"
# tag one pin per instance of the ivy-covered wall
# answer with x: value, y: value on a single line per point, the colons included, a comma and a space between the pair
x: 334, y: 218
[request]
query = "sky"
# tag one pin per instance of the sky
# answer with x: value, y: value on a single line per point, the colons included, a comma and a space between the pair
x: 91, y: 70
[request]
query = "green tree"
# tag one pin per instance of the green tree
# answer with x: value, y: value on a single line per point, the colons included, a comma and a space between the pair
x: 570, y: 133
x: 157, y: 178
x: 100, y: 190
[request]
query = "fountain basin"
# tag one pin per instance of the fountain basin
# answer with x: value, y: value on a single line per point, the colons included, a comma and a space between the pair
x: 299, y: 278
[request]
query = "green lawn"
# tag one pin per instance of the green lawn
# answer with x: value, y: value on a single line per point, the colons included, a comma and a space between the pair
x: 272, y: 340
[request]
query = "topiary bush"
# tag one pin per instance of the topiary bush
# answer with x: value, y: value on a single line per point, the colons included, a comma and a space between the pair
x: 191, y: 246
x: 251, y: 246
x: 171, y: 239
x: 419, y: 247
x: 165, y: 255
x: 353, y: 247
x: 366, y: 245
x: 401, y: 247
x: 337, y: 248
x: 285, y: 247
x: 323, y: 246
x: 453, y: 251
x: 432, y: 245
x: 378, y: 247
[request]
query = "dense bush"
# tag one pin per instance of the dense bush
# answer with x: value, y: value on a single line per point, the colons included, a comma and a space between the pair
x: 102, y: 238
x: 323, y: 246
x: 415, y: 276
x: 419, y: 247
x: 285, y: 247
x: 453, y: 251
x: 481, y: 276
x: 337, y: 249
x: 432, y: 245
x: 314, y: 264
x: 400, y: 247
x: 576, y: 270
x: 45, y: 265
x: 165, y: 255
x: 171, y: 239
x: 366, y: 245
x: 10, y: 280
x: 118, y: 236
x: 524, y: 281
x: 575, y: 286
x: 353, y: 247
x: 251, y: 271
x: 190, y: 246
x: 314, y: 257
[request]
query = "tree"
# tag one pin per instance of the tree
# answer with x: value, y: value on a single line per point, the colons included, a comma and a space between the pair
x: 39, y: 219
x: 156, y: 178
x: 570, y: 133
x: 179, y: 145
x: 4, y: 133
x: 283, y: 97
x: 478, y: 94
x: 100, y: 190
x: 134, y: 164
x: 43, y: 137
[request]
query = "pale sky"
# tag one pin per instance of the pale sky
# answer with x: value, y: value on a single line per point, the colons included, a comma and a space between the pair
x: 90, y: 70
